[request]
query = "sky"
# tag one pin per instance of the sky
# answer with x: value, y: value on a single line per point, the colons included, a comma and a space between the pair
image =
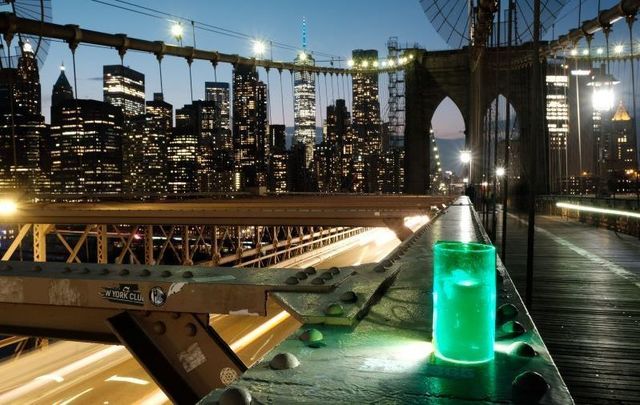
x: 334, y: 27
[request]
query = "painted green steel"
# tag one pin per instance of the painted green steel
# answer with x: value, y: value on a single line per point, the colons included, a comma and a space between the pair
x: 464, y: 301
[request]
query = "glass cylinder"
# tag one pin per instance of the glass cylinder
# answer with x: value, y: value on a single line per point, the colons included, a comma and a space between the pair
x: 464, y: 301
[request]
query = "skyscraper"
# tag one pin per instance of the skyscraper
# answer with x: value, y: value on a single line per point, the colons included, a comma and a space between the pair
x: 22, y: 126
x: 304, y: 100
x: 86, y: 151
x: 182, y: 154
x: 62, y: 89
x: 277, y: 178
x: 124, y: 88
x: 158, y: 124
x: 218, y: 92
x: 222, y: 141
x: 366, y: 118
x: 334, y: 169
x: 557, y: 81
x: 250, y: 126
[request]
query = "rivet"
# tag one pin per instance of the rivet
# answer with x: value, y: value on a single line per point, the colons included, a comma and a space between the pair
x: 124, y: 272
x: 348, y: 296
x: 166, y: 273
x: 235, y: 396
x: 37, y: 268
x: 380, y: 269
x: 312, y: 337
x: 334, y: 309
x: 301, y: 275
x: 159, y: 327
x: 334, y: 270
x: 386, y: 263
x: 506, y: 312
x: 190, y: 329
x: 529, y: 387
x: 326, y: 276
x: 317, y: 281
x: 292, y: 280
x: 104, y: 271
x: 175, y: 315
x: 522, y: 349
x: 284, y: 361
x: 310, y: 270
x: 511, y: 329
x: 145, y: 272
x: 187, y: 274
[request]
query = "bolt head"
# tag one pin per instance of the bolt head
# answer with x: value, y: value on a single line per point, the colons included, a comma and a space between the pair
x: 159, y: 327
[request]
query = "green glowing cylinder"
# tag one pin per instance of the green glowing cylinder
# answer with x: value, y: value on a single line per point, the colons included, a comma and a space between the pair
x: 464, y: 301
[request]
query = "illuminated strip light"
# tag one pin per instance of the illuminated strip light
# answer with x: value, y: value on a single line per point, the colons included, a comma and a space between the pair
x: 259, y: 331
x: 587, y: 208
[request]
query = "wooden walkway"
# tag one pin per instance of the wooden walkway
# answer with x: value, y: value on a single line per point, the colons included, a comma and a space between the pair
x: 586, y: 304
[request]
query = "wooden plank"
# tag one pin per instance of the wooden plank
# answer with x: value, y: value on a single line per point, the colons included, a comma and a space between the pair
x: 588, y: 316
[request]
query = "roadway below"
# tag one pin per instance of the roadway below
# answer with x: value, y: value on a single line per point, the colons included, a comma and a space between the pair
x: 68, y: 372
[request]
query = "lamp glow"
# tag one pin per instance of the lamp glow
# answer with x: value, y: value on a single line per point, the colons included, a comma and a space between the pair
x: 600, y: 51
x: 303, y: 56
x: 500, y: 171
x: 8, y: 207
x: 602, y: 99
x: 597, y: 210
x: 465, y: 180
x: 574, y: 52
x: 585, y: 52
x: 350, y: 63
x: 365, y: 63
x: 177, y: 31
x: 465, y: 156
x: 618, y: 48
x: 259, y: 48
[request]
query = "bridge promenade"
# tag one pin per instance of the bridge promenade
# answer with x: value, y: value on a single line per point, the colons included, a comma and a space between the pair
x: 586, y: 303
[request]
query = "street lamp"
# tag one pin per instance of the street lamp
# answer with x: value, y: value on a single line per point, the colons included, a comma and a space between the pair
x: 602, y: 97
x: 177, y: 31
x: 259, y: 48
x: 500, y: 171
x: 8, y: 207
x: 465, y: 157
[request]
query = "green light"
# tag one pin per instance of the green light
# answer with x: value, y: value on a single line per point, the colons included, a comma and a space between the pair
x: 464, y: 301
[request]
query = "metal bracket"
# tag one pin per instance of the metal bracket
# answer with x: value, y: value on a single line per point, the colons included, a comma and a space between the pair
x: 181, y: 352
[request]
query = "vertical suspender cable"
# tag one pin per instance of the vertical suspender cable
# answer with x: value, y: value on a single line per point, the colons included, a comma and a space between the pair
x: 495, y: 137
x: 281, y: 96
x: 507, y: 136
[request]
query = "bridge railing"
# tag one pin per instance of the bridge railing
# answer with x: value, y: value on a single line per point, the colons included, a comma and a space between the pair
x: 616, y: 214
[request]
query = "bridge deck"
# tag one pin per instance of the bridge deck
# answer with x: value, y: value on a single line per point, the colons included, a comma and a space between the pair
x: 586, y: 304
x: 387, y: 357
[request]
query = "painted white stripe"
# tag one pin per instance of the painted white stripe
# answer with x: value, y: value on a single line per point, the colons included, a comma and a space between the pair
x: 614, y: 268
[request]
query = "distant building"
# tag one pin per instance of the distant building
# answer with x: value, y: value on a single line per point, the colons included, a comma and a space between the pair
x: 23, y: 131
x: 158, y: 124
x: 182, y: 154
x: 366, y: 120
x: 250, y: 145
x: 277, y: 178
x: 86, y: 151
x: 623, y: 155
x: 304, y: 99
x: 123, y: 87
x: 557, y: 113
x: 218, y: 92
x: 335, y: 172
x: 62, y: 89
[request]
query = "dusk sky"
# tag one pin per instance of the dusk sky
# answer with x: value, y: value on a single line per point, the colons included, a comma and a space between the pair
x: 334, y: 27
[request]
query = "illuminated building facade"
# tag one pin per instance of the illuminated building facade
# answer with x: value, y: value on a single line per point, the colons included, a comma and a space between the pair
x: 123, y: 87
x: 250, y: 145
x: 304, y: 96
x: 222, y: 141
x: 182, y: 154
x: 557, y: 111
x: 22, y: 127
x: 158, y: 123
x: 86, y: 148
x: 366, y: 121
x: 277, y: 159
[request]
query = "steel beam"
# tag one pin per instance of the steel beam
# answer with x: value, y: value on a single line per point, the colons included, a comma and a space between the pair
x: 74, y: 35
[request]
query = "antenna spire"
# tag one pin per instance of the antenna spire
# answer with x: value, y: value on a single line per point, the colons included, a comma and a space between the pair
x: 304, y: 33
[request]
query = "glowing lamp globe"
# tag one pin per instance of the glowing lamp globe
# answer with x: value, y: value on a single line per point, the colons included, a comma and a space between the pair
x: 464, y: 301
